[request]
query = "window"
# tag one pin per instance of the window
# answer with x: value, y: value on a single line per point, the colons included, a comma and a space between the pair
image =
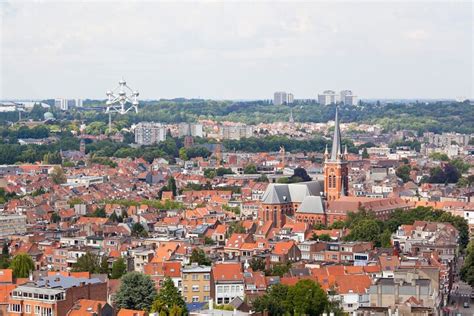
x: 195, y: 277
x: 27, y: 308
x: 195, y: 298
x: 195, y: 288
x: 207, y: 276
x: 37, y: 310
x: 206, y: 298
x: 15, y: 308
x: 206, y: 288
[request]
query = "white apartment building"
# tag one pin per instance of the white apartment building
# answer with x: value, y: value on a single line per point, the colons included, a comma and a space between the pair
x: 281, y: 97
x: 149, y: 133
x: 327, y: 97
x: 190, y: 129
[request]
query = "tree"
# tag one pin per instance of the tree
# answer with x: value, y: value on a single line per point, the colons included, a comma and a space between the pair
x: 172, y: 186
x: 104, y: 265
x: 5, y: 257
x: 89, y: 262
x: 22, y: 265
x: 119, y: 268
x: 403, y: 172
x: 182, y: 154
x: 55, y: 218
x: 301, y: 174
x: 257, y: 264
x: 250, y: 169
x: 365, y: 154
x: 306, y: 298
x: 385, y: 239
x: 57, y: 175
x: 262, y: 178
x: 337, y: 225
x: 53, y: 158
x: 467, y: 270
x: 439, y: 156
x: 138, y: 230
x: 136, y: 291
x: 199, y: 256
x: 365, y: 230
x: 169, y: 300
x: 274, y: 301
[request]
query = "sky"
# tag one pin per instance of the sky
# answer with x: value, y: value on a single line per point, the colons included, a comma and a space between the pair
x: 236, y: 49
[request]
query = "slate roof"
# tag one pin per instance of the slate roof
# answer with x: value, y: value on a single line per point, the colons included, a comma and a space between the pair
x: 312, y: 205
x: 279, y: 193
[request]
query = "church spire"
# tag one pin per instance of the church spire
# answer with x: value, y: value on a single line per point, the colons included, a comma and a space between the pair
x: 336, y: 151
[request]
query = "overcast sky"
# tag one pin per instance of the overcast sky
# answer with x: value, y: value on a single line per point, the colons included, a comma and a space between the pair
x: 237, y: 50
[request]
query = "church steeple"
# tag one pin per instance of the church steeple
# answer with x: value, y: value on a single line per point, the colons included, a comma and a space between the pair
x: 335, y: 168
x: 336, y: 152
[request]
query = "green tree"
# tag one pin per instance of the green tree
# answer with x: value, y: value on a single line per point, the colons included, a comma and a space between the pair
x: 274, y: 301
x: 22, y: 265
x: 104, y: 265
x: 257, y: 264
x: 55, y: 218
x: 306, y: 298
x: 89, y: 262
x: 365, y: 230
x: 169, y: 300
x: 172, y: 186
x: 299, y: 175
x: 365, y: 154
x: 199, y: 256
x: 5, y: 257
x: 136, y: 291
x: 52, y: 158
x: 138, y: 230
x: 58, y: 176
x: 403, y: 172
x: 250, y: 169
x: 439, y: 156
x: 385, y: 239
x: 182, y: 154
x: 467, y: 270
x: 119, y: 268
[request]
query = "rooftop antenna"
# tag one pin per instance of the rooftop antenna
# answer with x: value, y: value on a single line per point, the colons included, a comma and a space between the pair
x: 121, y: 100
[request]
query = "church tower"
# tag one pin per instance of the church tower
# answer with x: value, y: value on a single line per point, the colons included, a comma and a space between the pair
x: 335, y: 167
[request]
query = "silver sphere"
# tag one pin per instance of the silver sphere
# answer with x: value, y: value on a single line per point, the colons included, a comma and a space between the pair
x: 135, y: 93
x: 109, y: 92
x: 122, y: 82
x: 121, y: 92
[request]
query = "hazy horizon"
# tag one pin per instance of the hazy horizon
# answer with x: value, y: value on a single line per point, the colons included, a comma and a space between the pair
x: 236, y: 51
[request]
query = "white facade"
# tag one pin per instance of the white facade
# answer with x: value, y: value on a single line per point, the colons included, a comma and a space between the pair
x: 236, y: 132
x: 149, y: 133
x: 281, y: 97
x: 190, y: 129
x: 327, y: 97
x: 348, y: 98
x: 226, y: 292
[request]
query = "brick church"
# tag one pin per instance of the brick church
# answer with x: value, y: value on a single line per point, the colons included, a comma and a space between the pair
x: 324, y: 201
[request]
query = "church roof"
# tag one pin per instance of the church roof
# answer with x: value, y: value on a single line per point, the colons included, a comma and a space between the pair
x: 278, y: 193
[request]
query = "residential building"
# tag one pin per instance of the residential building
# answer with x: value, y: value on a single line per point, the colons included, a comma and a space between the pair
x: 196, y: 283
x: 149, y: 133
x: 54, y: 295
x: 348, y: 98
x: 190, y: 129
x: 236, y: 132
x: 281, y: 97
x: 327, y: 97
x: 227, y: 282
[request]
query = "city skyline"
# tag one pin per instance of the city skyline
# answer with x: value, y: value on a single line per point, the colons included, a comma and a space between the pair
x: 236, y: 50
